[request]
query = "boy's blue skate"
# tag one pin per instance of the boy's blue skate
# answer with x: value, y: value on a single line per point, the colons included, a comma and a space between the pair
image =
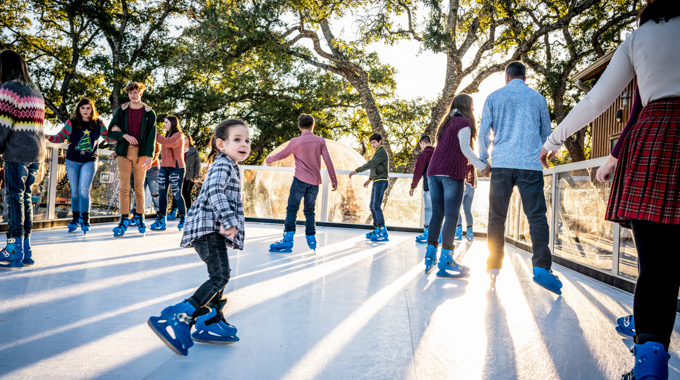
x: 12, y: 255
x: 651, y: 362
x: 430, y: 258
x: 373, y: 233
x: 449, y: 268
x: 28, y: 252
x: 459, y: 233
x: 382, y: 235
x: 85, y: 223
x: 173, y: 214
x: 547, y: 279
x: 213, y: 328
x: 159, y: 223
x: 469, y: 235
x: 180, y: 225
x: 285, y: 245
x: 625, y: 326
x: 422, y: 238
x: 122, y: 226
x: 75, y: 222
x: 139, y: 221
x: 311, y: 242
x: 174, y: 326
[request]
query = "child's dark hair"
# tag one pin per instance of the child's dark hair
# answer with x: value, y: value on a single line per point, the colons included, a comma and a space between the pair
x: 306, y: 121
x: 222, y: 132
x: 174, y: 125
x: 191, y: 139
x: 375, y: 137
x: 426, y: 139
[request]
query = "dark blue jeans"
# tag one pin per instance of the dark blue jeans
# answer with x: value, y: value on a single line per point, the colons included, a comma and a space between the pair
x: 212, y: 249
x: 447, y: 195
x: 19, y: 179
x: 530, y: 185
x: 298, y: 191
x: 174, y: 179
x: 377, y: 195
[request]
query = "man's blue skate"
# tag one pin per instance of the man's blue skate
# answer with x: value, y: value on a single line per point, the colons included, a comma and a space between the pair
x: 28, y: 252
x: 284, y: 245
x: 173, y: 214
x: 422, y: 239
x: 311, y: 242
x: 159, y: 223
x: 449, y: 268
x: 381, y: 235
x: 177, y: 319
x: 545, y: 278
x: 122, y: 227
x: 373, y: 233
x: 139, y: 221
x: 213, y: 328
x: 12, y: 255
x: 625, y: 326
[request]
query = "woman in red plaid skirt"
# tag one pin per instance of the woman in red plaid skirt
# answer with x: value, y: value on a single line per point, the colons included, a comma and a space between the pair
x: 645, y: 192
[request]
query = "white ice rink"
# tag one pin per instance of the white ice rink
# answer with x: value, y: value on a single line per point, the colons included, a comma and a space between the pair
x: 355, y: 310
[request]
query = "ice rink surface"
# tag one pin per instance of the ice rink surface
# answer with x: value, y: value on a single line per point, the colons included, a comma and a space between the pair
x: 355, y: 310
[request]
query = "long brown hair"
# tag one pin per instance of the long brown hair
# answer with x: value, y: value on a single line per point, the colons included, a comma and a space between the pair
x: 13, y: 67
x: 460, y: 106
x: 174, y: 125
x: 658, y: 10
x: 222, y: 133
x: 77, y: 118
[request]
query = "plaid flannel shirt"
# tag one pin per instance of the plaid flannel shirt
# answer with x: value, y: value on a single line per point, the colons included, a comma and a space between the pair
x: 218, y: 204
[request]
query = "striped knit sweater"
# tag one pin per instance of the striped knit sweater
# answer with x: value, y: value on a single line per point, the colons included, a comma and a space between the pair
x: 22, y: 112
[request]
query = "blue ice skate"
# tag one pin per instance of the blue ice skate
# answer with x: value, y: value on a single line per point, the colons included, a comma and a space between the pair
x: 373, y: 233
x: 311, y: 242
x: 139, y: 221
x: 422, y: 238
x: 381, y: 235
x: 547, y: 279
x: 173, y: 214
x: 177, y: 318
x: 448, y: 268
x: 213, y: 328
x: 28, y: 252
x: 180, y: 225
x: 651, y: 362
x: 430, y: 258
x: 12, y: 255
x: 284, y: 245
x: 159, y: 223
x: 122, y: 226
x: 85, y: 223
x: 625, y: 326
x: 459, y: 233
x: 469, y: 235
x: 74, y: 223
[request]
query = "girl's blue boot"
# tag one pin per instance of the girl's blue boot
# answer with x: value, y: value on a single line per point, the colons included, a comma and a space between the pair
x: 12, y: 255
x: 122, y: 226
x: 178, y: 320
x: 459, y: 233
x: 449, y: 268
x: 28, y: 252
x: 285, y: 245
x: 430, y: 258
x: 311, y: 242
x: 159, y: 224
x: 73, y: 223
x: 422, y: 238
x: 651, y: 362
x: 625, y: 326
x: 381, y: 235
x: 213, y: 328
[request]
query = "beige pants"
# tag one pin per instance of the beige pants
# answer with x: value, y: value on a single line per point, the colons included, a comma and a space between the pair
x: 131, y: 165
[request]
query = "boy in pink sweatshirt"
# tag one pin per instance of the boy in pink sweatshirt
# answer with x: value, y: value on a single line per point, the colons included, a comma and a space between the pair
x: 307, y: 149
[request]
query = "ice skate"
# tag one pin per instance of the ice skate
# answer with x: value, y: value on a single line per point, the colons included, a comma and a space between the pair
x: 459, y: 233
x: 139, y: 219
x: 173, y: 214
x: 469, y: 235
x: 213, y: 328
x: 422, y: 238
x: 547, y: 279
x: 449, y: 268
x: 122, y: 227
x: 180, y: 225
x: 311, y: 242
x: 373, y: 233
x: 493, y: 274
x: 85, y: 225
x: 651, y: 362
x: 28, y: 252
x: 430, y: 258
x: 625, y: 326
x: 381, y: 235
x: 174, y: 327
x: 12, y: 255
x: 159, y: 223
x: 285, y: 245
x: 73, y: 223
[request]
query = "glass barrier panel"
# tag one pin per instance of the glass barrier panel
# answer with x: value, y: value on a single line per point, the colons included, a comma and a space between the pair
x: 40, y: 190
x: 480, y: 206
x: 351, y: 202
x: 399, y: 208
x: 628, y: 260
x: 265, y: 194
x: 582, y: 235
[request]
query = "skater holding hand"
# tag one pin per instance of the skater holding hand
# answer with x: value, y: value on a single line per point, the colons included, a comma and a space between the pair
x: 422, y: 163
x: 214, y: 222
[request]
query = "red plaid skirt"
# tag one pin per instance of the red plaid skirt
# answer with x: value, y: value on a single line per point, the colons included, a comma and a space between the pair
x: 646, y: 183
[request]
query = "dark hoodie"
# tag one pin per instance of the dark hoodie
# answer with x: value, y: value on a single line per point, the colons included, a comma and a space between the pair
x: 422, y: 163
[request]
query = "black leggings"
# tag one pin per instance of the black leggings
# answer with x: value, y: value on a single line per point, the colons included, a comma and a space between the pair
x: 656, y: 291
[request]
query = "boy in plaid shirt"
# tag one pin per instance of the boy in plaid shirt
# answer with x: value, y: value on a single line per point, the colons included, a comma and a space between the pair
x: 214, y: 222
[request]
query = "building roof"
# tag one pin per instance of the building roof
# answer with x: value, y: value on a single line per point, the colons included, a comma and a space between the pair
x: 596, y: 69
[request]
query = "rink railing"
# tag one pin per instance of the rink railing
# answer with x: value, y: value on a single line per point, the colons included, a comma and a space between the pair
x: 576, y: 205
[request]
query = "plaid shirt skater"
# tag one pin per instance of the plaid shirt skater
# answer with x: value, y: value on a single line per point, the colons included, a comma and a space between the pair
x: 218, y: 204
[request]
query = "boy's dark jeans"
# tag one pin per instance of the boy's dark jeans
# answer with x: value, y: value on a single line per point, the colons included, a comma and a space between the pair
x: 530, y: 185
x: 19, y: 179
x: 377, y: 194
x: 298, y: 191
x: 212, y: 249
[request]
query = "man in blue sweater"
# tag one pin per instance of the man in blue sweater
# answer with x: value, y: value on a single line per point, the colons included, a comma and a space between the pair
x: 519, y: 118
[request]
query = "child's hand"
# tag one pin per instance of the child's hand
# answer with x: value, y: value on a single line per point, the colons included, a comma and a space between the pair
x: 351, y: 174
x: 486, y: 171
x: 335, y: 187
x: 230, y: 233
x: 410, y: 192
x: 366, y: 183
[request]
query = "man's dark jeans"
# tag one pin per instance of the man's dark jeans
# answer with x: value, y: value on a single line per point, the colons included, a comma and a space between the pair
x: 19, y: 179
x: 530, y: 185
x: 212, y: 249
x: 377, y: 195
x: 298, y: 191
